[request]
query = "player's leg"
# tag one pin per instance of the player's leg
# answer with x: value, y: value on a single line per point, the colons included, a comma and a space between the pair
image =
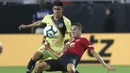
x: 31, y: 64
x: 48, y: 65
x: 71, y: 68
x: 70, y: 61
x: 42, y: 66
x: 64, y: 72
x: 40, y: 54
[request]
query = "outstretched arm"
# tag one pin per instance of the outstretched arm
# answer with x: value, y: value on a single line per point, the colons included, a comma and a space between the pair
x: 98, y: 57
x: 35, y: 24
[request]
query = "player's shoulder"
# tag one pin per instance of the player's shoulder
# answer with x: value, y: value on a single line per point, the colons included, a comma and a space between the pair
x: 49, y: 15
x: 83, y: 38
x: 66, y: 19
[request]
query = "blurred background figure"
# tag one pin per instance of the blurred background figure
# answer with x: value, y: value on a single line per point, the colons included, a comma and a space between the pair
x: 29, y: 1
x: 110, y: 22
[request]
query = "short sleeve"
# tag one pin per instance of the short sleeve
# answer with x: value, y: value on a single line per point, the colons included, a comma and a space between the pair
x: 68, y: 29
x: 87, y: 44
x: 69, y: 26
x: 44, y: 20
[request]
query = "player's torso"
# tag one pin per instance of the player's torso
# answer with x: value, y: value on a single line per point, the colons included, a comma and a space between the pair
x: 60, y: 25
x: 76, y: 46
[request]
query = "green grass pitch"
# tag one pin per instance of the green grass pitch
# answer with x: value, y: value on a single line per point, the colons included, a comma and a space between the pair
x: 81, y: 69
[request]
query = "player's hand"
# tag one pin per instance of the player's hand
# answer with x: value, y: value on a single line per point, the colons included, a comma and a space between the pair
x: 22, y: 26
x: 46, y: 46
x: 110, y: 68
x: 66, y: 45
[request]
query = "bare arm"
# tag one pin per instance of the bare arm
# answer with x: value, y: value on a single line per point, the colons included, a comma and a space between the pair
x: 55, y: 53
x: 98, y: 57
x: 51, y: 51
x: 70, y: 36
x: 35, y: 24
x: 58, y: 54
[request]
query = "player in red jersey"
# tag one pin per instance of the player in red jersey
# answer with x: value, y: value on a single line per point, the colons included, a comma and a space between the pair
x: 72, y: 54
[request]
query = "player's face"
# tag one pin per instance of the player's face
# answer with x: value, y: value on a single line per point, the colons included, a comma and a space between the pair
x: 57, y: 10
x: 75, y: 32
x: 108, y: 12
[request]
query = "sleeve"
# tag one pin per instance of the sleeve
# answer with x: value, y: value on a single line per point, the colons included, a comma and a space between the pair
x: 68, y: 29
x: 44, y: 20
x: 87, y: 44
x: 68, y: 25
x: 67, y: 37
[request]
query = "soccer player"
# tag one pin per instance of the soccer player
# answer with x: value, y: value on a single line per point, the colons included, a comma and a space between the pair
x: 63, y: 25
x: 72, y: 54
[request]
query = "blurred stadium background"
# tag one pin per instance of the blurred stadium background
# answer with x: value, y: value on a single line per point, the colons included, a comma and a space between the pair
x: 111, y: 40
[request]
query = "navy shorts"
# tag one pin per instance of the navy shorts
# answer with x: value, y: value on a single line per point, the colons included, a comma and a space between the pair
x: 61, y: 63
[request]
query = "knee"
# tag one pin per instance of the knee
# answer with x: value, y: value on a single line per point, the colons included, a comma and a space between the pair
x: 37, y: 68
x: 71, y: 68
x: 37, y: 56
x: 41, y: 66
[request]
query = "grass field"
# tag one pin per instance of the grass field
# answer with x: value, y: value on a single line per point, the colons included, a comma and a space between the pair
x: 81, y: 69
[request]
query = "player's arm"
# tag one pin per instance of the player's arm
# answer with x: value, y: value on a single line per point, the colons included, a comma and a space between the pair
x: 68, y: 27
x: 48, y: 48
x: 56, y: 54
x: 59, y: 54
x: 70, y: 36
x: 90, y: 47
x: 35, y: 24
x: 98, y: 57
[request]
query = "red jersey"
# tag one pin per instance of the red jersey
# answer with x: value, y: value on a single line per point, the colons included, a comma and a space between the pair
x: 78, y: 46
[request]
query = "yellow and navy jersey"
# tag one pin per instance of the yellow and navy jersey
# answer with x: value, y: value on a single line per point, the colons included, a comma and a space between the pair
x: 63, y: 25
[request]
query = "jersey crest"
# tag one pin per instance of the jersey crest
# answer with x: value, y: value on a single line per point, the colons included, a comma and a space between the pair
x: 60, y: 25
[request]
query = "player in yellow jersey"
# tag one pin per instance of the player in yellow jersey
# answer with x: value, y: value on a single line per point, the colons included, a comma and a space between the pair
x: 62, y: 24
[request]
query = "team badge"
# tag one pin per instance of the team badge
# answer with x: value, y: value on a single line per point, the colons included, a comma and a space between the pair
x: 60, y: 25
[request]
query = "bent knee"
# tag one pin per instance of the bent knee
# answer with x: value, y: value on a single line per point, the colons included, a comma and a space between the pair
x: 37, y: 67
x: 37, y: 56
x: 70, y: 68
x: 41, y: 66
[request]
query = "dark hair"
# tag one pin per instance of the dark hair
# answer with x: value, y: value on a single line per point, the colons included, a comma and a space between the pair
x: 78, y: 25
x: 58, y: 3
